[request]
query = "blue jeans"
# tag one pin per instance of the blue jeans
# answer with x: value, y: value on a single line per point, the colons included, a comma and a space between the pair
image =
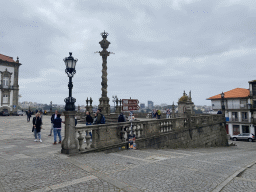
x: 57, y: 131
x: 37, y: 134
x: 89, y: 132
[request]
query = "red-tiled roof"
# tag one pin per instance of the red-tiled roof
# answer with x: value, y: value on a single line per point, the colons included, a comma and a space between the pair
x: 234, y: 93
x: 6, y: 58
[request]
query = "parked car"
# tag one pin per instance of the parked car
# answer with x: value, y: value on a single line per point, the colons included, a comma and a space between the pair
x: 244, y: 136
x: 20, y: 113
x: 5, y: 112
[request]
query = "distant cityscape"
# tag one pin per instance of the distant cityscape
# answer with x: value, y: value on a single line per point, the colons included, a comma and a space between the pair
x: 25, y: 105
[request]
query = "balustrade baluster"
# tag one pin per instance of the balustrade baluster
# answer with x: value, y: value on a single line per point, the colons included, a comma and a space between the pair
x: 94, y: 135
x: 81, y: 140
x: 141, y: 129
x: 123, y: 133
x: 87, y: 138
x: 136, y: 130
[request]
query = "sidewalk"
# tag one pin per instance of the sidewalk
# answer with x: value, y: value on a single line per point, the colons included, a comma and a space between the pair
x: 26, y: 165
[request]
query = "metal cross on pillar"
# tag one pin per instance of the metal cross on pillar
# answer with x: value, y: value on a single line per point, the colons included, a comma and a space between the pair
x: 104, y: 100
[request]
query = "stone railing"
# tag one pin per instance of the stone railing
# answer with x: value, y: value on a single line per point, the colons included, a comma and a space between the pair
x: 115, y: 135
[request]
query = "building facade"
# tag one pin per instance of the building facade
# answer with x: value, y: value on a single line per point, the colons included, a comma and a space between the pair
x: 142, y: 106
x: 150, y: 105
x: 9, y: 87
x: 238, y: 113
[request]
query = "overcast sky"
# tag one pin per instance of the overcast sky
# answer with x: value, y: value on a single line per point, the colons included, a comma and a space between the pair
x: 161, y: 47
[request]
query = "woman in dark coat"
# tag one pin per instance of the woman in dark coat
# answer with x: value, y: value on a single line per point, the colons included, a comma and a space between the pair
x: 89, y: 119
x: 37, y: 124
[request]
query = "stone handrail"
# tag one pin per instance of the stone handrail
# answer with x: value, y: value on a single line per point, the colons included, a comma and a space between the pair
x: 113, y: 134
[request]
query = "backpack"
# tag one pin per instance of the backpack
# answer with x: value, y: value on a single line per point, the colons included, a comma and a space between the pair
x: 158, y: 112
x: 102, y: 120
x: 121, y: 118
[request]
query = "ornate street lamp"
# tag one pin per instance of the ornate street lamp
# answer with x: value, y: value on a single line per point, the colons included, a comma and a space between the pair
x: 114, y: 99
x: 222, y: 101
x: 70, y: 63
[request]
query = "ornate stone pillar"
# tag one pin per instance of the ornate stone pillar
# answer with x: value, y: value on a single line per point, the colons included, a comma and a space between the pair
x: 104, y: 100
x: 118, y: 108
x: 70, y: 143
x: 16, y: 86
x: 173, y: 110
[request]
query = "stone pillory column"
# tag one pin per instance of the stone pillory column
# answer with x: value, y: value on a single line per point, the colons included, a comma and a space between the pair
x: 104, y: 100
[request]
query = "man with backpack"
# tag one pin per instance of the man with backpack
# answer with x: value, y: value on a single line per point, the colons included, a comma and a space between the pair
x: 100, y: 117
x: 121, y: 118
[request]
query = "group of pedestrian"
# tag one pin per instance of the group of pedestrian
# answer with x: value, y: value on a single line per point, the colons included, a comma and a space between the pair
x: 55, y: 126
x: 56, y: 123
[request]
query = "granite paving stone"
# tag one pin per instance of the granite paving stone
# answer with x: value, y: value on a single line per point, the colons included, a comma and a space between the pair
x: 26, y: 165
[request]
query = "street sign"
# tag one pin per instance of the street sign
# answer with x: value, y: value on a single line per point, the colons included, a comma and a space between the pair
x: 14, y: 106
x: 130, y: 108
x: 130, y: 101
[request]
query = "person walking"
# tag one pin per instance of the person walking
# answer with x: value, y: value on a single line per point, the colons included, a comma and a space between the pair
x: 28, y: 115
x: 54, y: 116
x: 57, y: 129
x: 37, y: 124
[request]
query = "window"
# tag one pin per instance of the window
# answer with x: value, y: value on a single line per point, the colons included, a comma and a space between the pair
x: 244, y: 116
x: 245, y: 129
x: 234, y: 116
x: 254, y: 104
x: 243, y: 104
x: 5, y: 82
x: 254, y: 89
x: 5, y: 98
x: 236, y: 130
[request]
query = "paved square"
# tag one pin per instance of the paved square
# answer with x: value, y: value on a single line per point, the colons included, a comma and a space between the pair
x: 26, y: 165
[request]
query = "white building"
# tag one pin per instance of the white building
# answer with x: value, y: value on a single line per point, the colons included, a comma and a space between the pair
x: 237, y: 110
x: 9, y: 87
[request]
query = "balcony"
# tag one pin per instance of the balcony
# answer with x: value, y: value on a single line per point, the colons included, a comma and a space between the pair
x: 6, y: 87
x: 233, y: 106
x: 234, y: 119
x: 245, y: 120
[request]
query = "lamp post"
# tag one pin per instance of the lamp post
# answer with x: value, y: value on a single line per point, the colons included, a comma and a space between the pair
x: 222, y: 102
x: 70, y: 63
x: 70, y: 142
x: 114, y: 100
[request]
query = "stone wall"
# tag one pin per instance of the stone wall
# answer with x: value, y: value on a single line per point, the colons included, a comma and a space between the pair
x: 205, y: 136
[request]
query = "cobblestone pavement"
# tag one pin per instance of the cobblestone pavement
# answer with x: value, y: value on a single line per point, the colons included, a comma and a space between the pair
x: 26, y: 165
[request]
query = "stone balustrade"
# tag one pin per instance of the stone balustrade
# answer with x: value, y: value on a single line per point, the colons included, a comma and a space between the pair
x: 115, y: 135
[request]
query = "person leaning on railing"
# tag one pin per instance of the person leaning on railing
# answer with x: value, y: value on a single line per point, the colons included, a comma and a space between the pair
x: 98, y: 117
x: 89, y: 119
